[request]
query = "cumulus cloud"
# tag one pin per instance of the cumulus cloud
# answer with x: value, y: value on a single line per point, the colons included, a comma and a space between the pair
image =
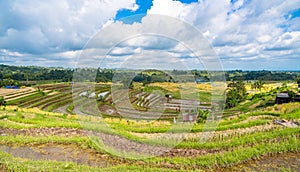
x: 242, y: 30
x: 243, y: 33
x: 44, y: 27
x: 158, y: 42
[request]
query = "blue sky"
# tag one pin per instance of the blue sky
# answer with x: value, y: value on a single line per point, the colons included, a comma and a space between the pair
x: 245, y: 34
x: 142, y: 7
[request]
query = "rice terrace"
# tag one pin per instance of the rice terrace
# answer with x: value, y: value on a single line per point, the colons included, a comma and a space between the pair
x: 61, y: 126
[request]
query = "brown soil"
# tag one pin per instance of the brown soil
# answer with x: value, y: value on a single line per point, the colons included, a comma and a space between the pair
x: 76, y: 154
x: 62, y: 109
x: 113, y: 141
x: 216, y: 134
x: 4, y: 91
x: 64, y: 132
x: 191, y: 153
x: 60, y: 152
x: 106, y: 109
x: 276, y: 162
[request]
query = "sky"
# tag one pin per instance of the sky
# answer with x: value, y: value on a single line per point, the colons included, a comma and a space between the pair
x: 243, y: 34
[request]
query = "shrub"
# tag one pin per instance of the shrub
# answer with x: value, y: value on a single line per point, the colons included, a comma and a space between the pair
x: 202, y: 116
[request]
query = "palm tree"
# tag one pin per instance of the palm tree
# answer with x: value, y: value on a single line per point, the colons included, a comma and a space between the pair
x: 258, y: 85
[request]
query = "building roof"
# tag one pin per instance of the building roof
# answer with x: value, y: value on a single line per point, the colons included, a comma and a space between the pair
x: 283, y: 95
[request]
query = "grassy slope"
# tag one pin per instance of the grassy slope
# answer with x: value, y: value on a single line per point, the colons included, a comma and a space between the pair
x: 235, y: 149
x: 257, y: 111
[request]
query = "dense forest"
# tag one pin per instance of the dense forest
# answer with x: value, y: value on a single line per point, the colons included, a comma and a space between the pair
x: 10, y: 74
x: 262, y: 75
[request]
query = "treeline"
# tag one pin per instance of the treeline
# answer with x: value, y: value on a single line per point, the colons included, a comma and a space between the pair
x: 261, y: 75
x: 33, y: 73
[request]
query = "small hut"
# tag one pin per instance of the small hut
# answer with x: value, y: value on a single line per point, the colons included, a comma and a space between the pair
x: 92, y: 95
x: 83, y: 94
x: 282, y: 98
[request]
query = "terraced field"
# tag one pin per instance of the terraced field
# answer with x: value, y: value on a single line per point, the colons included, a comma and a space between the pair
x: 48, y: 97
x: 40, y: 137
x: 13, y: 94
x: 97, y: 130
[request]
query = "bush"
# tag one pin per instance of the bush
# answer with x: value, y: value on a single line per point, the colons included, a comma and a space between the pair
x: 202, y: 116
x: 2, y: 101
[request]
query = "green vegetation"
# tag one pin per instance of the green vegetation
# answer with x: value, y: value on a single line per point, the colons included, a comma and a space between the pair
x: 91, y: 121
x: 2, y: 101
x: 233, y: 157
x: 28, y: 75
x: 236, y: 94
x: 258, y: 84
x: 202, y: 116
x: 236, y: 147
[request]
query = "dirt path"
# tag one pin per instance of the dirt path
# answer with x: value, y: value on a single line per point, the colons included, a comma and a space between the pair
x: 78, y: 111
x: 254, y: 118
x: 115, y: 142
x: 276, y: 162
x: 216, y: 134
x: 64, y: 132
x: 60, y: 152
x: 76, y: 154
x: 62, y: 109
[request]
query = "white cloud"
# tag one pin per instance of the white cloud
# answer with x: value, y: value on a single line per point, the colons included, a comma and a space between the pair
x: 157, y: 42
x: 173, y: 9
x: 253, y: 31
x: 134, y: 7
x: 245, y: 30
x: 44, y: 27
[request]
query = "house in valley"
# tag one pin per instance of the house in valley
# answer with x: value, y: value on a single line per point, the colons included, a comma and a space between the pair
x: 282, y: 98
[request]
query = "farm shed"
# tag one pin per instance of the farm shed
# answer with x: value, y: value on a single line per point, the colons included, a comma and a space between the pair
x: 282, y: 98
x: 92, y: 95
x: 102, y: 95
x: 83, y: 94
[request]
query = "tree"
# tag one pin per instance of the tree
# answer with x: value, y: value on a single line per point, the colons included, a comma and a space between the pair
x: 236, y: 93
x: 2, y: 101
x: 9, y: 82
x: 298, y: 82
x: 258, y: 85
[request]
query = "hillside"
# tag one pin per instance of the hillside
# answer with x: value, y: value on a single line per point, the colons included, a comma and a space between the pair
x: 31, y: 139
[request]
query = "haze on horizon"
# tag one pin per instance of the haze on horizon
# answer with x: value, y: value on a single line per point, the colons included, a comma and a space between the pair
x: 245, y: 34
